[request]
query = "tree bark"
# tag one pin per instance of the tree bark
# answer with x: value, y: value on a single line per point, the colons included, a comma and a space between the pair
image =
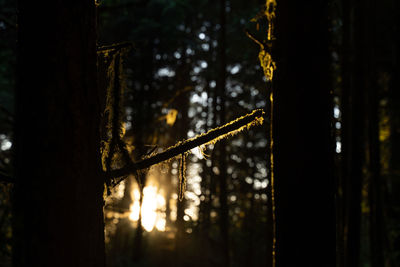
x: 58, y: 215
x: 222, y: 177
x: 305, y: 208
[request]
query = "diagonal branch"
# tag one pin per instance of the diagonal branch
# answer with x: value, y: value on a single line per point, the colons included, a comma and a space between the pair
x: 116, y: 46
x: 212, y: 136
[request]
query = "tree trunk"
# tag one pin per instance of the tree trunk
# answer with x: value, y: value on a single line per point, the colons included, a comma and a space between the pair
x: 371, y: 77
x: 305, y: 209
x: 182, y: 81
x: 222, y: 177
x: 58, y: 216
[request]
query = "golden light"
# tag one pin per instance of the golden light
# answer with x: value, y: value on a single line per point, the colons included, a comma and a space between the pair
x: 153, y: 208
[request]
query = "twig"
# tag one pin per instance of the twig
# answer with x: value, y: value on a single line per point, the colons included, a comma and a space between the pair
x: 182, y: 147
x: 177, y: 94
x: 260, y: 43
x: 116, y: 46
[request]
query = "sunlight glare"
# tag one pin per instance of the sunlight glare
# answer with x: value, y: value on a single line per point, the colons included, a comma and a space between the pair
x: 153, y: 207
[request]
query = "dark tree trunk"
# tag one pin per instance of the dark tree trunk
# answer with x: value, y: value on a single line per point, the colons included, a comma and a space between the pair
x: 373, y: 98
x: 182, y: 127
x: 352, y: 139
x: 222, y: 177
x: 305, y: 209
x: 137, y: 253
x: 141, y: 139
x: 58, y: 216
x: 355, y: 82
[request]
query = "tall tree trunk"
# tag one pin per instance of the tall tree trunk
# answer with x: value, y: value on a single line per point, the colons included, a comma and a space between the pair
x: 305, y: 209
x: 137, y: 252
x: 140, y: 138
x: 58, y: 215
x: 373, y: 97
x: 353, y: 154
x: 222, y: 177
x: 182, y: 126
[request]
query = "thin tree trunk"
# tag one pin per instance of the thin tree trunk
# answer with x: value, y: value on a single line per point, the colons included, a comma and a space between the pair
x: 352, y: 131
x: 222, y: 177
x: 137, y: 241
x: 183, y: 126
x: 376, y: 215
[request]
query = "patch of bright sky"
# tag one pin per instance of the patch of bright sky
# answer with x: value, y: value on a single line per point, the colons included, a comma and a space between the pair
x: 338, y: 147
x: 234, y: 69
x: 257, y: 185
x: 203, y: 64
x: 199, y: 98
x: 190, y: 134
x: 196, y: 70
x: 5, y: 143
x: 165, y: 72
x: 236, y: 158
x: 205, y: 47
x: 199, y: 125
x: 191, y: 112
x: 177, y: 55
x: 248, y: 180
x: 336, y: 112
x: 260, y: 104
x: 189, y: 51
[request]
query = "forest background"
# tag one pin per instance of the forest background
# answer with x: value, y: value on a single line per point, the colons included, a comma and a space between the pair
x: 193, y: 66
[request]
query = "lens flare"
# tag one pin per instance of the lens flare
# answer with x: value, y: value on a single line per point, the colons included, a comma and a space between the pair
x: 153, y: 208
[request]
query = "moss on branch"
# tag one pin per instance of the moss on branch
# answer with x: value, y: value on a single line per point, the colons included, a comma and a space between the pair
x: 210, y: 137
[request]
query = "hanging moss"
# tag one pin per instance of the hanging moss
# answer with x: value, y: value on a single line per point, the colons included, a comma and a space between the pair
x: 182, y: 177
x: 210, y: 137
x: 116, y: 160
x: 269, y: 66
x: 114, y: 153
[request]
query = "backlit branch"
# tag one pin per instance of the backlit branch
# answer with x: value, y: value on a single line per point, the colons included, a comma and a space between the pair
x: 210, y: 137
x: 117, y: 46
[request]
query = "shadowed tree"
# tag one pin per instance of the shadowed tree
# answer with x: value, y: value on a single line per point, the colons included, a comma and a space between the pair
x: 222, y: 157
x: 305, y: 209
x: 58, y: 216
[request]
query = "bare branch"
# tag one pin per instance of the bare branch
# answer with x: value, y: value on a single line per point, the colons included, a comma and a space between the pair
x: 260, y: 43
x: 212, y: 136
x: 116, y: 46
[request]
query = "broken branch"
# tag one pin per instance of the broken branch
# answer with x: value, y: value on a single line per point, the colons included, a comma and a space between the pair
x: 212, y: 136
x: 117, y: 46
